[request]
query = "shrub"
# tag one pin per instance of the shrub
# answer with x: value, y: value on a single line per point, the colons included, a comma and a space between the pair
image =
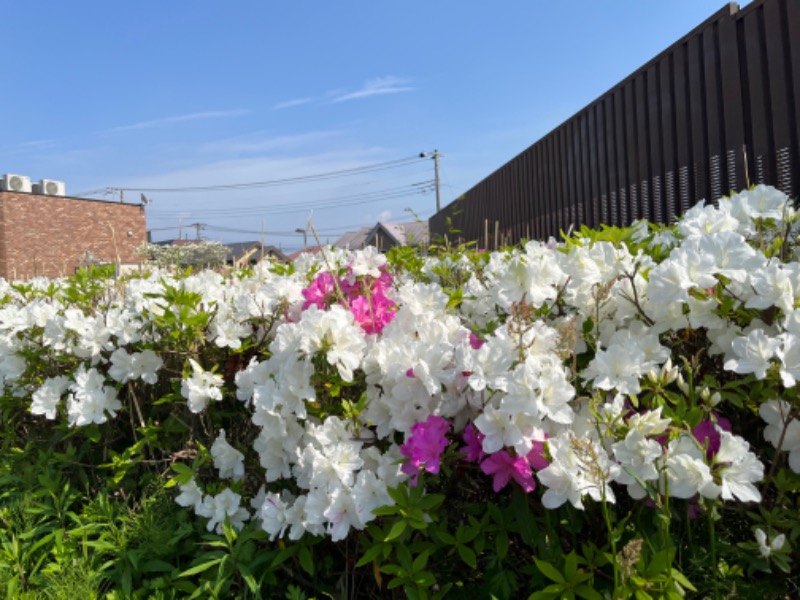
x: 614, y: 416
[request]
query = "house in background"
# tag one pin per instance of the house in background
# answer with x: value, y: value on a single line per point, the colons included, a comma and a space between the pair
x: 386, y: 235
x: 241, y: 254
x: 44, y: 232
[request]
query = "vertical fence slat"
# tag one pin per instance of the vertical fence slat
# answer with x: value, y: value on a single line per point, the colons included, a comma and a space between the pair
x: 669, y: 134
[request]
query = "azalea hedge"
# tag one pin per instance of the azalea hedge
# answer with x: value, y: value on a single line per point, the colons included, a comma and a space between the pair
x: 615, y: 415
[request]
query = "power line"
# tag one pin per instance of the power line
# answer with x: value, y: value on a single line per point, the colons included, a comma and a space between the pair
x: 294, y: 207
x: 273, y: 182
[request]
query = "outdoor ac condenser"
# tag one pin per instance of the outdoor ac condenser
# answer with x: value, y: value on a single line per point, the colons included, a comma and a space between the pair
x: 49, y: 187
x: 15, y: 183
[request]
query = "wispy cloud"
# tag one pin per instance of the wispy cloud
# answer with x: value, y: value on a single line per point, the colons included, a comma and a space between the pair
x: 376, y: 87
x: 34, y: 145
x: 200, y: 116
x: 294, y: 102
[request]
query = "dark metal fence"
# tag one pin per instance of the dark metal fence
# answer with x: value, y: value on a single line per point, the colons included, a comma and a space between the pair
x: 716, y: 110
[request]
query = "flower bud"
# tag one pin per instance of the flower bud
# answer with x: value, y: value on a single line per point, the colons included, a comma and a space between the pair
x: 682, y: 385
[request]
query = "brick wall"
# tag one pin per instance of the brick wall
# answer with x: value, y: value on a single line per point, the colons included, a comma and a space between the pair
x: 51, y: 235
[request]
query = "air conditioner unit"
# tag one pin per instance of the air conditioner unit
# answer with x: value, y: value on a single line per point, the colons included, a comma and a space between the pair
x: 15, y: 183
x: 49, y: 187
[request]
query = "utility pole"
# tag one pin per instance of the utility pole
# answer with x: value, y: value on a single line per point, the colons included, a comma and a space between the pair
x: 305, y: 237
x: 435, y: 156
x: 198, y: 227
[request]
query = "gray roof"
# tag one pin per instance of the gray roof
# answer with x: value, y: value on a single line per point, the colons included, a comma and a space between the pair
x: 353, y: 240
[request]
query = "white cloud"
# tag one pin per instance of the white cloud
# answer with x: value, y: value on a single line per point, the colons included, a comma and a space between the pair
x: 294, y: 102
x: 200, y: 116
x: 385, y: 216
x: 376, y: 87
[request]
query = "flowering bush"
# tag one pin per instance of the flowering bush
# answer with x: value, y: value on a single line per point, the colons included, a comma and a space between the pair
x: 614, y: 416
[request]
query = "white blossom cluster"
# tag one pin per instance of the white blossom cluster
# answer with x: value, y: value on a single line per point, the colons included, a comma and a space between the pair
x: 480, y: 361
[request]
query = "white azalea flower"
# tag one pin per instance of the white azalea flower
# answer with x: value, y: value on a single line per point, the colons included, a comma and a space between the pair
x: 617, y: 368
x: 191, y: 495
x: 740, y: 468
x: 776, y: 414
x: 579, y: 467
x: 342, y: 514
x: 766, y: 549
x: 224, y: 505
x: 752, y: 354
x: 227, y: 459
x: 687, y: 473
x: 46, y: 398
x: 637, y: 455
x: 201, y: 387
x: 91, y: 400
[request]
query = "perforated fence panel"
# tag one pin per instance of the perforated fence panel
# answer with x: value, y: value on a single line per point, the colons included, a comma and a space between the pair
x: 718, y: 109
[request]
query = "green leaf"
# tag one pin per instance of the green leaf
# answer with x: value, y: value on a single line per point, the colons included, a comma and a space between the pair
x: 445, y: 538
x: 584, y: 591
x: 306, y: 560
x: 681, y: 579
x: 370, y: 555
x: 468, y: 556
x: 248, y: 578
x: 420, y: 562
x: 385, y: 511
x: 424, y: 579
x: 549, y: 571
x: 659, y: 564
x: 396, y: 531
x: 431, y: 502
x: 501, y: 545
x: 156, y: 566
x: 202, y: 567
x: 555, y: 590
x: 570, y: 566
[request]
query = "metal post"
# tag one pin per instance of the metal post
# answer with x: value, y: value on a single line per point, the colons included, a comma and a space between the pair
x: 435, y: 156
x: 436, y: 175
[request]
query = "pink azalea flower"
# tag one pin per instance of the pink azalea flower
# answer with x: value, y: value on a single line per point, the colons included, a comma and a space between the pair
x: 375, y: 315
x: 425, y: 446
x: 537, y: 458
x: 321, y: 292
x: 475, y: 341
x: 473, y: 451
x: 382, y: 283
x: 505, y: 467
x: 705, y: 430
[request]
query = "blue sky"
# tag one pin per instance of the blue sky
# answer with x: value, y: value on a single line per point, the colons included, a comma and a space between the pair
x: 177, y: 94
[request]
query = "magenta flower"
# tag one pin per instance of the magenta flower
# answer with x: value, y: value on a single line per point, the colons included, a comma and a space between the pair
x: 705, y: 431
x: 475, y: 341
x: 505, y: 467
x: 373, y: 314
x: 537, y: 458
x: 382, y: 283
x: 425, y: 446
x: 322, y: 292
x: 473, y: 451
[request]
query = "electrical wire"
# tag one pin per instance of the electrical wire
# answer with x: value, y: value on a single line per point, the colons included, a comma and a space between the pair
x: 275, y: 182
x: 294, y: 207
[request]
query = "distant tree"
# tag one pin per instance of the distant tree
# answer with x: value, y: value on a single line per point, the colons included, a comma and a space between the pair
x: 203, y: 254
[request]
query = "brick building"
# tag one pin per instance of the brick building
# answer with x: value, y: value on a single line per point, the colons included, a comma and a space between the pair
x: 51, y: 236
